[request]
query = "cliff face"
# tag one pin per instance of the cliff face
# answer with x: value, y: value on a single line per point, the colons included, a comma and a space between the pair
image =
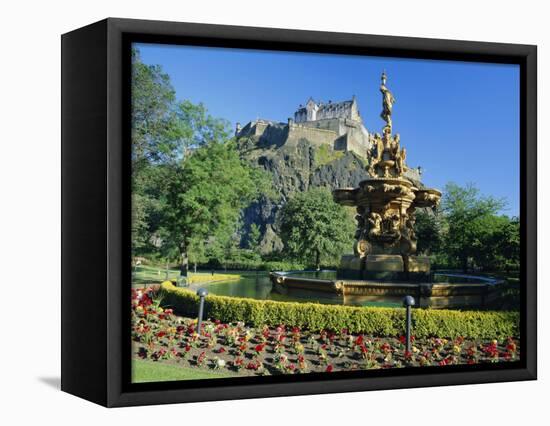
x: 295, y: 166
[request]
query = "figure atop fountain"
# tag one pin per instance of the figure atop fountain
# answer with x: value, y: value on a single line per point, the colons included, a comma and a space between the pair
x: 387, y: 159
x: 387, y: 102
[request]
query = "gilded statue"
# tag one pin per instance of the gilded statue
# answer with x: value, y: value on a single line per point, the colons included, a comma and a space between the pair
x: 379, y: 147
x: 375, y: 222
x: 400, y: 158
x: 393, y: 220
x: 408, y: 241
x: 387, y: 101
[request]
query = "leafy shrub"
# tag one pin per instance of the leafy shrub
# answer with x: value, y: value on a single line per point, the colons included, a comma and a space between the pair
x: 370, y: 320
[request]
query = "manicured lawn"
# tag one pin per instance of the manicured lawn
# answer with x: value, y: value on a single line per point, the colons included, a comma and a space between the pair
x: 153, y: 371
x: 145, y: 275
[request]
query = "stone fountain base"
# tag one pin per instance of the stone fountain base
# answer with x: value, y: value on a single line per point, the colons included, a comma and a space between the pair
x: 452, y: 291
x: 385, y: 267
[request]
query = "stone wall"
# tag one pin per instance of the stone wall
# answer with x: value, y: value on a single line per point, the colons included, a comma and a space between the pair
x: 332, y: 124
x: 357, y: 141
x: 316, y: 136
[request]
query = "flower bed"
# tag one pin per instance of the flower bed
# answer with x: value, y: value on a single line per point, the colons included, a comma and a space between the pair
x: 316, y: 317
x: 159, y: 335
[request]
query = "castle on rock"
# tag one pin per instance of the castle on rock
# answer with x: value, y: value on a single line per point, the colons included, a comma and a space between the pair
x: 336, y: 124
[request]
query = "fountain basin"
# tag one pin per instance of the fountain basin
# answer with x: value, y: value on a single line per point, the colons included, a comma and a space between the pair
x: 440, y: 291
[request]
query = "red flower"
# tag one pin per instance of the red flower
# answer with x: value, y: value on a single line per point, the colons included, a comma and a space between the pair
x: 329, y: 368
x: 201, y: 358
x: 386, y: 348
x: 161, y: 334
x: 359, y: 340
x: 238, y: 362
x: 491, y: 350
x: 253, y: 365
x: 259, y: 348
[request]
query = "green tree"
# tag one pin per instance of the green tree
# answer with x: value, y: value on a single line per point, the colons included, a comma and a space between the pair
x: 429, y: 229
x: 254, y: 237
x: 508, y: 244
x: 163, y: 129
x: 314, y: 228
x: 205, y: 196
x: 469, y: 217
x: 164, y: 133
x: 154, y: 125
x: 501, y: 240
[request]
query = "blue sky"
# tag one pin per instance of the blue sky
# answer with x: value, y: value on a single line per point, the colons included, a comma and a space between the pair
x: 458, y: 120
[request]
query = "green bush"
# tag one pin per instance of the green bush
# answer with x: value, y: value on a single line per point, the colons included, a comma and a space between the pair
x: 369, y: 320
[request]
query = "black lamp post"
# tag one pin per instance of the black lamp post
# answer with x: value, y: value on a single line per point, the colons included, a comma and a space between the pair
x: 202, y: 293
x: 408, y: 301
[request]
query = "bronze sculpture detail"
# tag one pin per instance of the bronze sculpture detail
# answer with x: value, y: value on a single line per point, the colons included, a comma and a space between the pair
x: 387, y: 101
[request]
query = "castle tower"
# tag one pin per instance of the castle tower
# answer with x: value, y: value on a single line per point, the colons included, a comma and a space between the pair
x: 311, y: 109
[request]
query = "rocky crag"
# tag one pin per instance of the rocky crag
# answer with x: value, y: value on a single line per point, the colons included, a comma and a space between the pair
x: 295, y: 166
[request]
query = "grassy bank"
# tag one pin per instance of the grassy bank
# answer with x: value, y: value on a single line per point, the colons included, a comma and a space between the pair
x: 145, y: 275
x: 152, y: 371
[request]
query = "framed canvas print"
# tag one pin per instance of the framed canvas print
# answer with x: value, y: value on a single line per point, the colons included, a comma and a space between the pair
x: 254, y: 212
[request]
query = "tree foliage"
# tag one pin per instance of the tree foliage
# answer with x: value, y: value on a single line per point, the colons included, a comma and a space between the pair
x: 189, y: 184
x: 206, y: 194
x: 473, y: 234
x: 429, y: 230
x: 314, y: 228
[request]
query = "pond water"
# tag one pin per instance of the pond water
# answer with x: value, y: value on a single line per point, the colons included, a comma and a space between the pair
x: 258, y: 286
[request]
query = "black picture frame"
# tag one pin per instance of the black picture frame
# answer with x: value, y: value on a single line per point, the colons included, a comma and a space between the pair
x: 95, y: 210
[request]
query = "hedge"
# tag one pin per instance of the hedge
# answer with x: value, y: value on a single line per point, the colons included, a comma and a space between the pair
x: 370, y: 320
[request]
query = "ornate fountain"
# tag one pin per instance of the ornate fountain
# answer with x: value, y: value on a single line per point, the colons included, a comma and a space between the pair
x: 384, y: 266
x: 386, y: 204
